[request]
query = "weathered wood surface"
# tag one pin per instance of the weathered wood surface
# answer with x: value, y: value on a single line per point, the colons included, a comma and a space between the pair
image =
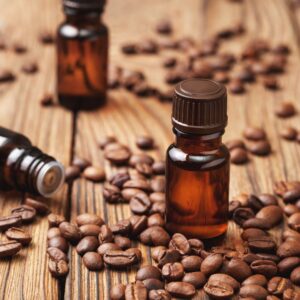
x: 26, y: 276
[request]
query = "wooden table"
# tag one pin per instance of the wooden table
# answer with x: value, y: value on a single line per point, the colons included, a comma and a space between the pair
x: 60, y: 133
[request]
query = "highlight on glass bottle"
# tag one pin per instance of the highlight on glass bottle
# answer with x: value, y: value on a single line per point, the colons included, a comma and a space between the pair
x: 197, y: 178
x: 82, y: 55
x: 25, y: 168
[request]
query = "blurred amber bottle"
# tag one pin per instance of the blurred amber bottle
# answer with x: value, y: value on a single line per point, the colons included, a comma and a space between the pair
x: 82, y: 55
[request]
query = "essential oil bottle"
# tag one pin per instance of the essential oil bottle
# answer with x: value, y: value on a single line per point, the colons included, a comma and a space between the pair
x: 197, y: 179
x: 26, y: 168
x: 82, y: 55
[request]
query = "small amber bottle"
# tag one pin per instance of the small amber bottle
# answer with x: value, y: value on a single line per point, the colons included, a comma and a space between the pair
x: 26, y: 168
x: 82, y: 55
x: 197, y: 179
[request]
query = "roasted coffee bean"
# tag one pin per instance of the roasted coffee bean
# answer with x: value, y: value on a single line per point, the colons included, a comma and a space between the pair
x: 9, y: 221
x: 242, y: 214
x: 88, y: 219
x: 140, y: 204
x: 156, y: 251
x: 286, y: 265
x: 105, y: 235
x: 260, y: 148
x: 179, y: 242
x: 129, y: 193
x: 281, y: 187
x: 81, y: 163
x: 267, y: 199
x: 57, y: 254
x: 169, y: 62
x: 158, y: 208
x: 158, y: 197
x: 129, y: 48
x: 58, y: 268
x: 261, y: 244
x: 211, y: 264
x: 158, y: 184
x: 6, y: 76
x: 164, y: 27
x: 272, y: 213
x: 59, y: 242
x: 181, y: 289
x: 111, y: 193
x: 270, y: 83
x: 254, y: 133
x: 27, y: 213
x: 290, y: 234
x: 117, y: 292
x: 252, y: 233
x: 295, y: 276
x: 159, y: 168
x: 290, y: 209
x: 139, y: 224
x: 173, y: 271
x: 257, y: 279
x: 30, y: 68
x: 291, y: 195
x: 277, y: 285
x: 9, y: 248
x: 19, y: 235
x: 148, y: 46
x: 159, y: 295
x: 147, y: 272
x: 145, y: 142
x: 291, y: 294
x: 95, y: 174
x: 47, y: 100
x: 144, y: 169
x: 268, y: 256
x: 238, y: 269
x: 153, y: 284
x: 102, y: 249
x: 192, y: 263
x: 156, y: 220
x: 288, y: 133
x: 294, y: 221
x: 135, y: 251
x: 53, y: 232
x: 255, y: 203
x: 255, y: 291
x: 238, y: 156
x: 140, y: 158
x: 119, y: 179
x: 72, y: 173
x: 135, y: 291
x: 262, y: 224
x: 225, y: 278
x: 87, y: 244
x: 265, y: 267
x: 106, y: 140
x: 123, y: 227
x: 138, y: 184
x: 70, y: 231
x: 167, y: 256
x: 119, y: 259
x: 233, y: 205
x: 41, y: 207
x: 55, y: 220
x: 19, y: 48
x: 122, y: 241
x: 221, y: 77
x: 289, y: 248
x: 218, y: 290
x: 46, y: 38
x: 90, y: 230
x: 155, y: 236
x: 93, y: 261
x: 250, y: 257
x: 197, y: 279
x: 236, y: 143
x: 196, y: 246
x: 285, y: 109
x: 117, y: 153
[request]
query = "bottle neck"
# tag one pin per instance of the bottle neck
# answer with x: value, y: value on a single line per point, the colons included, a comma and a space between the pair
x: 196, y: 143
x: 78, y: 18
x: 30, y: 170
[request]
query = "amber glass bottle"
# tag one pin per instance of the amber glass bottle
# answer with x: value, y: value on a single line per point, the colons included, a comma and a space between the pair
x: 198, y: 162
x: 26, y: 168
x: 82, y: 55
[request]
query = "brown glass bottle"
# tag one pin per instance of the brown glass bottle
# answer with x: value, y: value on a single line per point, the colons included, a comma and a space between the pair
x: 26, y: 168
x: 82, y: 55
x: 198, y: 163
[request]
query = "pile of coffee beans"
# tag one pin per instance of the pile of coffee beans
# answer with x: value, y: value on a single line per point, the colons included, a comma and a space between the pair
x: 18, y: 237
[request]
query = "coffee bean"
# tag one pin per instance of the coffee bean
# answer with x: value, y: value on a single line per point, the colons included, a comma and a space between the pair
x: 102, y: 249
x: 89, y: 230
x: 58, y: 268
x: 295, y: 276
x: 238, y: 156
x: 267, y: 199
x: 252, y: 233
x: 268, y: 256
x: 46, y: 38
x: 117, y: 292
x: 139, y: 224
x: 123, y: 242
x: 89, y: 219
x: 291, y: 294
x: 53, y: 232
x: 225, y: 278
x: 87, y: 244
x: 158, y: 208
x: 281, y: 187
x: 238, y: 269
x: 285, y: 110
x: 270, y: 83
x: 119, y: 259
x: 294, y: 221
x: 106, y: 140
x: 197, y: 279
x: 242, y: 214
x: 148, y: 46
x: 119, y: 179
x: 261, y: 244
x: 218, y: 290
x: 158, y: 184
x: 156, y: 220
x: 196, y: 246
x: 211, y: 264
x: 123, y: 227
x: 153, y: 284
x: 135, y: 251
x: 145, y: 142
x: 117, y: 154
x: 257, y: 279
x: 265, y: 267
x: 289, y: 248
x: 173, y: 271
x: 9, y: 248
x: 254, y: 133
x: 164, y: 27
x: 135, y: 291
x: 260, y: 148
x: 19, y: 48
x: 277, y: 285
x: 41, y: 207
x: 286, y: 265
x: 129, y: 48
x: 255, y: 291
x: 137, y: 184
x: 181, y: 289
x: 167, y: 256
x: 288, y: 133
x: 140, y: 204
x: 105, y: 235
x: 250, y: 257
x: 180, y: 243
x: 158, y: 197
x: 147, y: 272
x: 19, y: 235
x: 155, y: 235
x: 93, y: 261
x: 59, y: 242
x: 72, y: 173
x: 30, y: 68
x: 192, y: 263
x: 156, y: 252
x: 9, y: 221
x: 272, y: 213
x: 111, y: 193
x: 290, y: 234
x: 70, y: 231
x: 140, y: 158
x: 290, y: 209
x: 233, y: 144
x: 27, y: 213
x: 6, y: 76
x: 57, y: 254
x: 55, y: 220
x: 158, y: 167
x: 262, y: 224
x: 291, y: 195
x: 159, y: 295
x: 95, y: 174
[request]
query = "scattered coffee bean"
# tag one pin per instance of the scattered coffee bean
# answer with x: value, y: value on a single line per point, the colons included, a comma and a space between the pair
x: 272, y: 213
x: 117, y: 292
x: 238, y: 269
x: 103, y: 248
x: 6, y: 76
x: 238, y: 156
x: 19, y: 235
x: 267, y: 268
x: 41, y: 207
x: 54, y: 220
x: 156, y: 236
x: 19, y: 48
x: 30, y: 68
x: 180, y: 243
x: 58, y: 268
x: 72, y: 173
x: 295, y: 276
x: 70, y: 231
x: 164, y: 27
x: 129, y: 48
x: 122, y: 242
x: 105, y: 235
x: 236, y: 86
x: 46, y: 38
x: 227, y: 279
x: 59, y: 242
x: 27, y: 213
x: 87, y: 244
x: 218, y: 289
x: 89, y: 219
x: 93, y: 261
x: 95, y: 174
x: 211, y: 264
x: 193, y: 262
x: 270, y: 83
x: 240, y: 215
x: 286, y: 265
x: 288, y: 133
x: 159, y: 167
x: 294, y: 221
x: 111, y: 193
x: 57, y: 254
x: 147, y: 272
x: 277, y: 285
x: 117, y: 153
x: 159, y: 295
x: 10, y: 221
x: 257, y: 279
x: 140, y: 203
x: 255, y: 291
x: 285, y: 110
x: 254, y: 133
x: 167, y: 256
x: 289, y: 248
x: 181, y: 289
x: 119, y: 259
x: 53, y: 232
x: 145, y: 142
x: 291, y: 294
x: 9, y: 248
x: 136, y: 291
x: 260, y: 148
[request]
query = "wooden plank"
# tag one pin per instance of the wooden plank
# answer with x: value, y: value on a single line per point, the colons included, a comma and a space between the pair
x: 26, y: 276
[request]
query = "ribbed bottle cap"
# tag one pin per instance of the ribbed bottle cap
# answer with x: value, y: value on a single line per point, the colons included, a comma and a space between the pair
x: 199, y: 106
x: 85, y: 4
